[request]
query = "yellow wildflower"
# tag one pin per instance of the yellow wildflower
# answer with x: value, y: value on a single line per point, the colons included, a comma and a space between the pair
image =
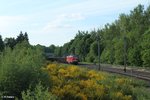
x: 82, y: 96
x: 128, y: 97
x: 95, y: 75
x: 62, y: 71
x: 120, y: 81
x: 119, y: 94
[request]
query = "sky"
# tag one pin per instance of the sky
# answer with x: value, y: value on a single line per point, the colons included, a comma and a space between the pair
x: 58, y: 21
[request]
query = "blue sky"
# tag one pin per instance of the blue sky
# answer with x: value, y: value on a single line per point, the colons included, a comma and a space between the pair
x: 57, y: 21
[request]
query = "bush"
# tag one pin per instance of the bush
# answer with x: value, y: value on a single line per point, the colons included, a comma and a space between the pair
x: 39, y: 93
x: 20, y: 68
x: 72, y: 82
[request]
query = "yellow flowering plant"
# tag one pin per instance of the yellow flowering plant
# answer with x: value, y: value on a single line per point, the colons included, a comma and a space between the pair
x: 75, y: 83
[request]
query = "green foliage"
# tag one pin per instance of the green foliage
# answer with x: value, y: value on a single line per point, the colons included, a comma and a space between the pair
x: 65, y: 49
x: 145, y: 58
x: 140, y: 94
x: 93, y: 49
x: 10, y: 42
x: 22, y: 37
x: 39, y: 93
x: 118, y: 51
x: 20, y: 68
x: 76, y: 83
x: 52, y: 48
x: 133, y: 26
x: 1, y: 44
x: 146, y: 48
x: 90, y: 58
x: 105, y: 57
x: 134, y: 56
x: 93, y: 52
x: 57, y: 51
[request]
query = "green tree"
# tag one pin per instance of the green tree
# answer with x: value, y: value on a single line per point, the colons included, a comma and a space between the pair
x: 26, y: 36
x: 58, y: 51
x: 10, y: 42
x: 65, y: 49
x: 92, y: 55
x: 22, y: 37
x: 118, y: 51
x: 52, y: 48
x: 145, y: 52
x: 1, y: 44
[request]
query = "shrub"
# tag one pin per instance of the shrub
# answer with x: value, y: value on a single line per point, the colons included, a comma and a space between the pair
x: 20, y: 68
x: 72, y: 82
x: 39, y: 93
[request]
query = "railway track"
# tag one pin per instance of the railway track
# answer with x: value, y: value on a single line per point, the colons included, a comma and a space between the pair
x: 143, y: 75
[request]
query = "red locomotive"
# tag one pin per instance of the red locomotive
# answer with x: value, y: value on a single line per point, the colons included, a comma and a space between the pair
x: 72, y: 59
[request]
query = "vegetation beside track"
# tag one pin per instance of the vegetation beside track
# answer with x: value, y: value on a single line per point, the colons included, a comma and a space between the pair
x: 73, y: 82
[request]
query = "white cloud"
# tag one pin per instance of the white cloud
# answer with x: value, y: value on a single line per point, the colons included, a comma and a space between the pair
x: 101, y: 7
x: 73, y: 16
x: 57, y: 30
x: 63, y: 21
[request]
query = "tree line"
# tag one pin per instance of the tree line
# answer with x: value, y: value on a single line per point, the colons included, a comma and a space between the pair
x: 11, y: 42
x: 128, y: 36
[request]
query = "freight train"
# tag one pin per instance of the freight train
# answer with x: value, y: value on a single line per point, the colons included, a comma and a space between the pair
x: 70, y: 59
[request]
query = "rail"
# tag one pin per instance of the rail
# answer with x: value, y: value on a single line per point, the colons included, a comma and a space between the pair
x: 129, y: 72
